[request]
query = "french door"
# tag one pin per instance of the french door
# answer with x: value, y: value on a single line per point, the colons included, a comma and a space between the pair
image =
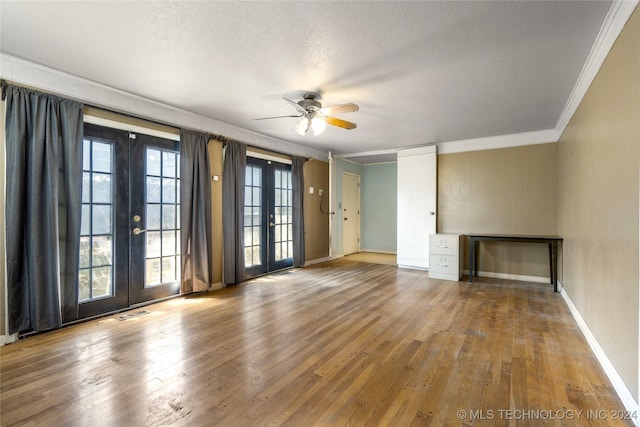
x: 268, y: 216
x: 130, y: 232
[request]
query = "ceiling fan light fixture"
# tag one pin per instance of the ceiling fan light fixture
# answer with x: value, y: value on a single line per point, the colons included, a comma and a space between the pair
x: 311, y: 115
x: 302, y: 126
x: 318, y: 125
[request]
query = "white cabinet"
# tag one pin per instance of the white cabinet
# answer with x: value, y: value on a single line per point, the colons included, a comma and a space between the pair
x: 417, y: 174
x: 445, y: 260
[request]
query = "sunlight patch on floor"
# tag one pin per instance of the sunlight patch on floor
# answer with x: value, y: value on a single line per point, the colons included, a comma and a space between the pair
x: 373, y: 258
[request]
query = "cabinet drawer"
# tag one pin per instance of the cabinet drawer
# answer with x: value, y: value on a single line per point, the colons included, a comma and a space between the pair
x: 447, y: 264
x: 444, y: 244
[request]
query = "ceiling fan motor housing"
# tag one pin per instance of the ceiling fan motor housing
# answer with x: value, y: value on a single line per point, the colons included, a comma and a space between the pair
x: 309, y: 103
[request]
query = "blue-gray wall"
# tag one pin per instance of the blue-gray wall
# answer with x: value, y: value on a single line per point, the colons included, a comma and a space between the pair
x: 378, y: 193
x: 378, y: 205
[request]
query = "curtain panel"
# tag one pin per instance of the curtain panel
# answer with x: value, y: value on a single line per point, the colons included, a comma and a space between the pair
x: 43, y: 205
x: 235, y: 161
x: 297, y: 181
x: 195, y: 212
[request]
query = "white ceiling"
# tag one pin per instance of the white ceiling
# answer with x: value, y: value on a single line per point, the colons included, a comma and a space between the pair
x: 421, y: 72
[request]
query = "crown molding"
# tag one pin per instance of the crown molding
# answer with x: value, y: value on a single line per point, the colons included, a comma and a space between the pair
x: 475, y: 144
x: 417, y: 151
x: 613, y: 24
x: 366, y: 153
x: 502, y: 141
x: 41, y: 77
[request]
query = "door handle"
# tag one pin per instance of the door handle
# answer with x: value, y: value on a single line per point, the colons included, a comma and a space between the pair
x: 137, y: 231
x: 271, y: 224
x: 346, y: 219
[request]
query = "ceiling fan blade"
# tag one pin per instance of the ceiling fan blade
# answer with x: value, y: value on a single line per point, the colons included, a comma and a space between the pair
x: 300, y: 109
x: 277, y: 117
x: 334, y: 121
x: 338, y: 109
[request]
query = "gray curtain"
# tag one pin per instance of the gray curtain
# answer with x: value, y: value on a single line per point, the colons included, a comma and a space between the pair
x: 235, y: 161
x: 44, y: 188
x: 297, y: 178
x: 195, y: 212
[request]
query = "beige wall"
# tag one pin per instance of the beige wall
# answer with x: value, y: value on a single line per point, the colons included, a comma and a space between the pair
x: 598, y: 164
x: 316, y: 223
x: 215, y: 168
x: 501, y: 191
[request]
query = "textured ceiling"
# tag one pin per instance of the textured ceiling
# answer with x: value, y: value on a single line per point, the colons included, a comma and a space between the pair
x: 422, y: 72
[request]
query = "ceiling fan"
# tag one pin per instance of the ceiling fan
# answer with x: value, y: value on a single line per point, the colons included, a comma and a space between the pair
x: 314, y: 116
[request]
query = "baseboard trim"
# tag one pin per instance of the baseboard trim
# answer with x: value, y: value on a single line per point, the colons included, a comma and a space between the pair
x: 413, y: 267
x: 8, y: 339
x: 317, y: 261
x: 379, y: 251
x: 412, y: 263
x: 520, y: 277
x: 620, y: 387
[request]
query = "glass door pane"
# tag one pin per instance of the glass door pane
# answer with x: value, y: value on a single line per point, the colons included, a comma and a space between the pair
x: 155, y: 219
x: 255, y: 251
x: 162, y: 179
x: 96, y: 232
x: 282, y: 232
x: 103, y: 270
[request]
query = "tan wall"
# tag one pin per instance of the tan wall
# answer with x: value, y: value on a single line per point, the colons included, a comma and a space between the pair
x: 598, y: 164
x: 316, y: 223
x: 501, y: 191
x: 215, y: 168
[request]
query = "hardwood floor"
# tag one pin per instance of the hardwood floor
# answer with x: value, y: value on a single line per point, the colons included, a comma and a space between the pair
x: 339, y: 343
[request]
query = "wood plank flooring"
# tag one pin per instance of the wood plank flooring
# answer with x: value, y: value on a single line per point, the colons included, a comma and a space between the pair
x: 338, y: 343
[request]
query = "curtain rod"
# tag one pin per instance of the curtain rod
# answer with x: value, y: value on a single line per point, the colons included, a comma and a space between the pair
x: 221, y: 138
x: 4, y: 83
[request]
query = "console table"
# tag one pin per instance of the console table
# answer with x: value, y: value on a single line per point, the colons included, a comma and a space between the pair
x: 552, y: 241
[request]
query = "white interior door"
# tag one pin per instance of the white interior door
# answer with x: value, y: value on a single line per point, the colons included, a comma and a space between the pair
x: 417, y: 189
x: 350, y: 213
